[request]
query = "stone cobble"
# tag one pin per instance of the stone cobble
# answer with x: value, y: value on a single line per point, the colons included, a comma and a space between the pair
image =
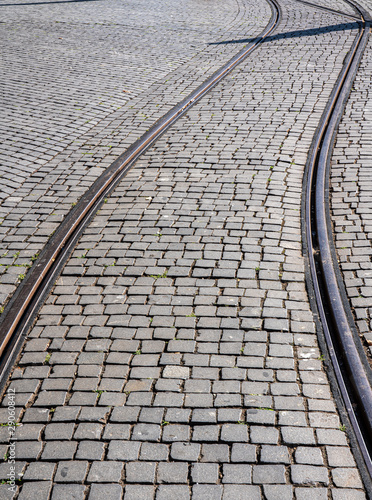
x: 70, y: 111
x: 177, y: 353
x: 351, y: 206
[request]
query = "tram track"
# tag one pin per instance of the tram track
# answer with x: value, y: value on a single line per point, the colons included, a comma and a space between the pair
x: 24, y: 305
x: 324, y: 276
x: 328, y: 9
x: 346, y: 354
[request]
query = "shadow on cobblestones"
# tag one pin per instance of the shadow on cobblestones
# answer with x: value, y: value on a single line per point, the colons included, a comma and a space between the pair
x: 297, y: 34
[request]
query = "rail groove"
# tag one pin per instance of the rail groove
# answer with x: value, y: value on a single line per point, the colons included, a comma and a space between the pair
x: 350, y: 365
x: 23, y: 307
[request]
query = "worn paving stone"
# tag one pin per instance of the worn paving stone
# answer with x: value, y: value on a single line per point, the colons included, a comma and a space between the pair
x: 139, y: 492
x: 272, y: 492
x: 71, y: 472
x: 39, y: 471
x: 241, y: 492
x: 136, y: 472
x: 205, y: 473
x: 207, y: 491
x: 346, y: 478
x: 307, y: 493
x: 309, y: 474
x: 169, y: 490
x: 345, y: 494
x: 36, y: 489
x: 61, y: 491
x: 112, y: 491
x: 105, y: 472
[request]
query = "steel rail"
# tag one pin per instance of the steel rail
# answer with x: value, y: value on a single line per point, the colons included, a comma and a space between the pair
x: 334, y: 310
x: 328, y: 9
x: 25, y: 303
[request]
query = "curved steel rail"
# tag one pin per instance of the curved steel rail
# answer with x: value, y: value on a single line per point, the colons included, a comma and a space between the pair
x: 328, y: 9
x: 22, y: 308
x: 334, y: 311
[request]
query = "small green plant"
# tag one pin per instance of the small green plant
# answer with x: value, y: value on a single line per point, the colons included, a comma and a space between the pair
x: 342, y: 428
x: 47, y: 358
x: 99, y: 392
x: 192, y: 315
x: 157, y: 276
x: 164, y: 422
x: 11, y: 481
x: 6, y: 456
x: 321, y: 357
x: 137, y: 352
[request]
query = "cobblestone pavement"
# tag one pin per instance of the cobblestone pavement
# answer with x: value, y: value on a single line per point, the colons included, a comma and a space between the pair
x: 366, y: 4
x: 351, y: 183
x: 70, y: 110
x: 177, y: 353
x: 334, y: 4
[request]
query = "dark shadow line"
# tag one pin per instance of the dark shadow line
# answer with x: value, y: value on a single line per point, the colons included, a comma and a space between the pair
x: 298, y: 33
x: 44, y: 3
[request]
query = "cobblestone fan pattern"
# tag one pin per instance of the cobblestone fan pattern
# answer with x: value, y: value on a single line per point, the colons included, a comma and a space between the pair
x: 336, y: 5
x: 177, y: 354
x: 366, y: 4
x: 70, y: 111
x: 351, y: 183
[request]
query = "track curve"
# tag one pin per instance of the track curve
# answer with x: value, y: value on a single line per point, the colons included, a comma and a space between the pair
x: 20, y: 311
x: 27, y: 301
x: 352, y: 371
